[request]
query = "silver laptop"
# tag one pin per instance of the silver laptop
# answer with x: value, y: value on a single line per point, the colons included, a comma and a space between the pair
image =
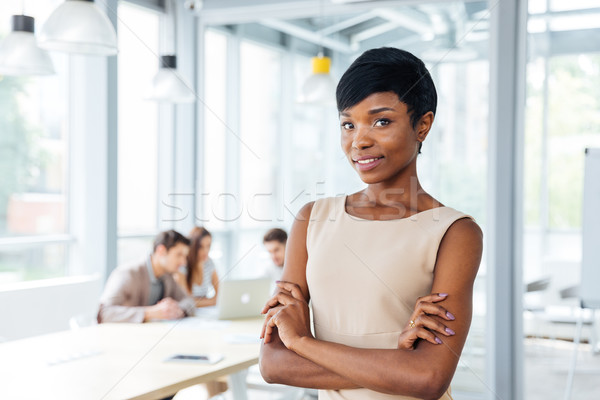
x: 242, y: 298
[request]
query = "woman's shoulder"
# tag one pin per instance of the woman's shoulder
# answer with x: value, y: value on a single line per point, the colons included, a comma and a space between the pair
x: 465, y: 225
x: 210, y: 263
x: 322, y: 207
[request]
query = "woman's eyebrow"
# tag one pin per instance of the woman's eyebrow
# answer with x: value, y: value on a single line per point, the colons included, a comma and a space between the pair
x: 370, y: 112
x: 381, y: 109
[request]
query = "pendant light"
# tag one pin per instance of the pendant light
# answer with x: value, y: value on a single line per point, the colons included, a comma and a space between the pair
x: 319, y: 88
x: 19, y: 52
x: 168, y: 86
x: 80, y: 27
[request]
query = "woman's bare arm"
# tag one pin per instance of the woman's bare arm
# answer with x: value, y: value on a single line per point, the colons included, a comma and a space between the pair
x: 215, y: 282
x: 277, y: 363
x: 425, y: 372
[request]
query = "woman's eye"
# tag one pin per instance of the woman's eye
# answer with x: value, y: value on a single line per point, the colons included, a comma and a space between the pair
x: 382, y: 122
x: 347, y: 125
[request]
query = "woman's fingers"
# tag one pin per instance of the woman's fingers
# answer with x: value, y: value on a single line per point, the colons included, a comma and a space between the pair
x: 427, y: 305
x: 270, y: 325
x: 434, y: 297
x: 280, y: 298
x: 273, y: 306
x: 292, y: 288
x: 272, y: 302
x: 425, y: 334
x: 268, y: 316
x: 424, y: 325
x: 433, y: 309
x: 407, y: 339
x: 425, y: 321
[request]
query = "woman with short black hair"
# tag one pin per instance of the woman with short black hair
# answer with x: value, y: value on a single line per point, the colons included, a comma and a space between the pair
x: 365, y: 259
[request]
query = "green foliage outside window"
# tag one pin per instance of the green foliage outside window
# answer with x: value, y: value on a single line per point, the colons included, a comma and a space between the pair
x: 20, y: 154
x: 573, y: 123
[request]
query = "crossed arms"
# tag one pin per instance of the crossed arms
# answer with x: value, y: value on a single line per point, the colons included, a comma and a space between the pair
x: 422, y: 369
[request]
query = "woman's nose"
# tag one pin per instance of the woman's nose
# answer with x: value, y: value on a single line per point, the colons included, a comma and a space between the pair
x: 362, y: 138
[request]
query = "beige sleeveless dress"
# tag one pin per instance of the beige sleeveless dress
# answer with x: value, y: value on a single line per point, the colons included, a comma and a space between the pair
x: 364, y: 276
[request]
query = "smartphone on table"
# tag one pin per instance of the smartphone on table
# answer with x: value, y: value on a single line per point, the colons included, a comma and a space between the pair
x: 196, y: 358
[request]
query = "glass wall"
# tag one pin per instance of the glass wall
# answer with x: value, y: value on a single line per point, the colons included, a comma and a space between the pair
x: 137, y: 219
x: 562, y: 120
x: 34, y: 143
x: 215, y: 131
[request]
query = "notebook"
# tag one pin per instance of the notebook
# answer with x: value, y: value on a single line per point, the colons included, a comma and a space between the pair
x: 242, y: 298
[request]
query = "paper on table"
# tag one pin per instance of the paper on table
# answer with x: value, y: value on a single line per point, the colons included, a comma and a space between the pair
x: 242, y: 338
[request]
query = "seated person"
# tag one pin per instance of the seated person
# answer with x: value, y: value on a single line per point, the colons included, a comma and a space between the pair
x: 274, y: 241
x: 199, y: 277
x: 146, y: 290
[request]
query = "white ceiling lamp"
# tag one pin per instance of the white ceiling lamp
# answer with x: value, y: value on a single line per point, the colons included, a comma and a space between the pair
x: 168, y: 86
x: 80, y: 27
x: 19, y: 52
x: 319, y: 88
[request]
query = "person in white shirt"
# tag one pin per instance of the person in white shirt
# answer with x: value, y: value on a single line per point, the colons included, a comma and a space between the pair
x: 275, y: 241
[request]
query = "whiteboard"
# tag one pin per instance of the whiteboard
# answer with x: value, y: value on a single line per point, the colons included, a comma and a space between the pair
x: 590, y: 261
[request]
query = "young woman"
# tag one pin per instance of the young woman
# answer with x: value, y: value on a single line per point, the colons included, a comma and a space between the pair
x: 363, y: 260
x: 199, y: 277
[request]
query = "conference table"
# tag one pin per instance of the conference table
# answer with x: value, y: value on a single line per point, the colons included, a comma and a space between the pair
x: 127, y: 361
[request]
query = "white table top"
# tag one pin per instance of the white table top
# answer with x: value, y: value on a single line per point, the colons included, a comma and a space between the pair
x: 124, y: 361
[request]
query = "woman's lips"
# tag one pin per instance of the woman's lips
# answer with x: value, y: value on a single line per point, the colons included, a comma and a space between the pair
x: 365, y: 164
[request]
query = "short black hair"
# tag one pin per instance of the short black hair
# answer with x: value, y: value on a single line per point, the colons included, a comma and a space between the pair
x: 388, y: 69
x: 170, y: 239
x: 275, y: 234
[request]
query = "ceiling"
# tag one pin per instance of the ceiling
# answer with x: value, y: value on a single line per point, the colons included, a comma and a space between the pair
x: 441, y: 31
x: 453, y: 30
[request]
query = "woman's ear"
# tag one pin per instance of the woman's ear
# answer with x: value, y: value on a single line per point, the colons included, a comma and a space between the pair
x: 424, y: 126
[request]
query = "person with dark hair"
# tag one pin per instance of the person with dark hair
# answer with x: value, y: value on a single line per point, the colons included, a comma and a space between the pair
x: 363, y: 260
x: 199, y: 275
x: 146, y: 290
x: 199, y: 279
x: 274, y: 241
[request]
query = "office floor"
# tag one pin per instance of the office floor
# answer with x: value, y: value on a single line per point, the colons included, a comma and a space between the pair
x: 546, y: 366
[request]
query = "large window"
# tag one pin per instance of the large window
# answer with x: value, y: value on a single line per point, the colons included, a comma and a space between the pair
x: 216, y: 126
x: 260, y: 113
x: 562, y: 118
x: 34, y: 140
x: 138, y: 131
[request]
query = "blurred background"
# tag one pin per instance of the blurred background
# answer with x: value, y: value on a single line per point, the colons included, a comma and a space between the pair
x: 97, y: 158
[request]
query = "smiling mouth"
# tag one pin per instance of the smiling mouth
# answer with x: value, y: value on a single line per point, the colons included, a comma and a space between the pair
x: 367, y: 164
x: 368, y: 160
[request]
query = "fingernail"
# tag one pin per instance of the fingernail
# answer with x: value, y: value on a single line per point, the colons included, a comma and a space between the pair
x: 277, y: 281
x: 442, y: 294
x: 437, y: 340
x: 449, y: 315
x: 450, y: 331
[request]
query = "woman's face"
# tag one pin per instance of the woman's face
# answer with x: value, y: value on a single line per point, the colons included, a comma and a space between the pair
x: 378, y: 138
x: 204, y: 249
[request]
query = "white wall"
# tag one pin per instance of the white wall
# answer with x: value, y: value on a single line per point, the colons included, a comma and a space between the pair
x: 34, y: 308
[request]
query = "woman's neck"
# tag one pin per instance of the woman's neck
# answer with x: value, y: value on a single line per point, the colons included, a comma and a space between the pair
x: 405, y: 190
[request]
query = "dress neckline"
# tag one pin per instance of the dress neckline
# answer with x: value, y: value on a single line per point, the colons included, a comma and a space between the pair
x: 413, y: 216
